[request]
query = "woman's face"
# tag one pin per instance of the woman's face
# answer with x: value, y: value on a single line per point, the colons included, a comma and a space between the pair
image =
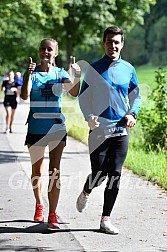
x: 11, y: 75
x: 48, y: 50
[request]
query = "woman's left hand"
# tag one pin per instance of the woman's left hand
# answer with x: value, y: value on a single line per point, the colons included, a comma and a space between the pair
x: 75, y: 67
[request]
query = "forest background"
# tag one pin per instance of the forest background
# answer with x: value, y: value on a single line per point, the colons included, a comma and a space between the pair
x: 78, y: 26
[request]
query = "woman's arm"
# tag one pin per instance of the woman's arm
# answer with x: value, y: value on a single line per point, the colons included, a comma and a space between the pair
x: 27, y: 84
x: 26, y: 87
x: 73, y: 87
x: 2, y: 88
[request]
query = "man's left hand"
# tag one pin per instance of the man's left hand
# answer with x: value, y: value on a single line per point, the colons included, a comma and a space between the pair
x: 131, y: 121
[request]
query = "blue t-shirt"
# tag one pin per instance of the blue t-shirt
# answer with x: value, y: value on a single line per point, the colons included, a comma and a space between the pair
x: 45, y: 101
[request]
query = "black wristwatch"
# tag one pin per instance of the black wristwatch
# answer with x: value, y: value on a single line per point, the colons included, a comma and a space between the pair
x: 134, y: 115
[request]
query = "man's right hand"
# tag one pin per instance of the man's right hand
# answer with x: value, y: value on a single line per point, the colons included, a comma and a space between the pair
x: 93, y: 123
x: 31, y: 65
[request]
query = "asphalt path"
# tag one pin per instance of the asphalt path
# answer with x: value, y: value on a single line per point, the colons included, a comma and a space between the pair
x: 140, y: 211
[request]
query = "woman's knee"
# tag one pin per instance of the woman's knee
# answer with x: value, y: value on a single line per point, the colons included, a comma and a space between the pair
x: 54, y: 179
x: 36, y: 173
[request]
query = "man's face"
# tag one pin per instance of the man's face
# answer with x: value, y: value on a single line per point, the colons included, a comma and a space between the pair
x: 113, y: 45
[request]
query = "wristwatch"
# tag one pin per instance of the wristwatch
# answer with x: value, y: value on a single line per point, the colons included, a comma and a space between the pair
x: 134, y: 115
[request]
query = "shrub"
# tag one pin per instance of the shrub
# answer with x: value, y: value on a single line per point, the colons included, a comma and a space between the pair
x: 154, y: 119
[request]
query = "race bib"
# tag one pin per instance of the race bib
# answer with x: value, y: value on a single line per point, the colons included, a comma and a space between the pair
x: 115, y: 131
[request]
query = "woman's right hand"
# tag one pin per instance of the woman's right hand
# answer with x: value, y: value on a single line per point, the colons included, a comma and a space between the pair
x: 31, y: 65
x: 27, y: 84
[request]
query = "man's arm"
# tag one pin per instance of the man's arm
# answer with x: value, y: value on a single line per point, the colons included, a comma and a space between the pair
x: 134, y: 96
x: 134, y: 101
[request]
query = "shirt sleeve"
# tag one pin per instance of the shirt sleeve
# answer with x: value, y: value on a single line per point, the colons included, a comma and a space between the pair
x: 85, y: 96
x: 134, y: 94
x: 3, y: 84
x: 65, y: 75
x: 17, y: 84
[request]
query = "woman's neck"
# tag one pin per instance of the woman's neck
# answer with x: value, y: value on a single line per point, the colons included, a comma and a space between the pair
x: 45, y: 67
x: 10, y: 80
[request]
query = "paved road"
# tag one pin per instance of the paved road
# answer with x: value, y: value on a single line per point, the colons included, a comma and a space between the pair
x: 140, y: 211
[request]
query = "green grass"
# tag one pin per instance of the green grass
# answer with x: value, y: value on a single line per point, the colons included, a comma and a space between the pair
x: 76, y: 125
x: 152, y: 166
x: 146, y: 75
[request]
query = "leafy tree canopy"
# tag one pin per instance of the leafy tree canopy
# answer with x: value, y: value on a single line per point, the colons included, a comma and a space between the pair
x: 72, y: 22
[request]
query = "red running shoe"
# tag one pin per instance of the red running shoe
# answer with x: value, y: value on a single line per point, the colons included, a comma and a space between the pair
x: 52, y: 221
x: 38, y: 216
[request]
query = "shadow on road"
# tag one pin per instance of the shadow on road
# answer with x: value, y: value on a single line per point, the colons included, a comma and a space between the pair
x: 38, y: 228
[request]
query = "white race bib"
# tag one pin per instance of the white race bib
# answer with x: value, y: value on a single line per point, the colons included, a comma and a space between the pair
x: 115, y: 131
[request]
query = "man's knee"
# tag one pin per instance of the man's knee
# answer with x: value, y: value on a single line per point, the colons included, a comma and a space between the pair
x: 114, y: 181
x: 95, y: 180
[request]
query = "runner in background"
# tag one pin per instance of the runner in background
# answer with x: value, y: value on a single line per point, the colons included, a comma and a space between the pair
x: 10, y: 88
x: 19, y: 79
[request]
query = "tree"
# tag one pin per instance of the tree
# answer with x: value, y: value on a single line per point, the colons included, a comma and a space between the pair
x: 88, y: 19
x: 155, y: 31
x: 72, y: 22
x: 158, y: 42
x: 147, y: 43
x: 134, y: 49
x: 22, y: 26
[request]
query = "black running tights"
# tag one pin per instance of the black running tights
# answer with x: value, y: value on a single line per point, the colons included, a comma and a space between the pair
x: 107, y: 157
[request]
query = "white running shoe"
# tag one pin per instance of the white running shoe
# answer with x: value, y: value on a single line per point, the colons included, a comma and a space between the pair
x: 107, y: 227
x: 7, y: 131
x: 82, y: 202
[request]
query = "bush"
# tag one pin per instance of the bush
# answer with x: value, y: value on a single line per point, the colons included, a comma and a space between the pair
x: 154, y: 119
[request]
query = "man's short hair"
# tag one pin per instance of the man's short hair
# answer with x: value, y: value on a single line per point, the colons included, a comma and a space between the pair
x: 113, y: 30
